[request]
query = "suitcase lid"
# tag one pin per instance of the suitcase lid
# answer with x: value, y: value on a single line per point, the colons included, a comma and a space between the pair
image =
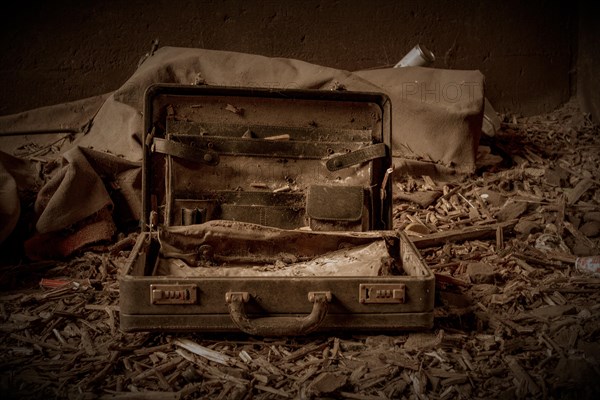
x: 316, y: 142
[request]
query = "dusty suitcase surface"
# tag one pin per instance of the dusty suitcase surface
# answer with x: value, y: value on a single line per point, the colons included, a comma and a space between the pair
x: 268, y: 212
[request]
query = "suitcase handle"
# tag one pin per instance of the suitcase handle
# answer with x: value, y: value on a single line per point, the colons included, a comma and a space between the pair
x: 277, y: 326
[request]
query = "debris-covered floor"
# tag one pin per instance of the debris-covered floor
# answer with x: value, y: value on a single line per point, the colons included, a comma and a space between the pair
x: 514, y: 317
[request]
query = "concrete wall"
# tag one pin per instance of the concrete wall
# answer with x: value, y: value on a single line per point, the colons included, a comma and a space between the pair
x: 588, y: 62
x: 57, y: 51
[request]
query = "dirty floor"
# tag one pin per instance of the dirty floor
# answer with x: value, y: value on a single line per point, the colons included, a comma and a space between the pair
x: 515, y: 317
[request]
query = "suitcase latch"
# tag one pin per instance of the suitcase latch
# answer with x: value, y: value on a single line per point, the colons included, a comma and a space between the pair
x: 381, y: 293
x: 173, y: 294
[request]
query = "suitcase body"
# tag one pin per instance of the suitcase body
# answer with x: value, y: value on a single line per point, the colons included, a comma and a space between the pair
x: 269, y: 212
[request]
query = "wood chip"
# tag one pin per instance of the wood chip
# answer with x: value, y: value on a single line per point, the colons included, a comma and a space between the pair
x: 579, y: 190
x: 277, y: 392
x: 203, y: 351
x: 469, y: 233
x: 521, y: 375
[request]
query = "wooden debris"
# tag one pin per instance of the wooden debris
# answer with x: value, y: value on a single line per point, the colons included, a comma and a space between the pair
x: 424, y: 199
x: 575, y: 194
x: 480, y: 272
x: 590, y: 229
x: 448, y: 279
x: 162, y: 368
x: 511, y: 210
x: 578, y: 235
x: 357, y: 396
x: 203, y: 351
x: 277, y: 392
x: 143, y: 395
x: 552, y: 311
x: 326, y: 383
x: 522, y: 376
x: 469, y: 233
x: 499, y: 238
x: 423, y: 341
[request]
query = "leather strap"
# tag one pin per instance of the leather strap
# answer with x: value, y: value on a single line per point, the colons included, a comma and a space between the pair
x: 359, y: 156
x: 268, y: 148
x: 184, y: 151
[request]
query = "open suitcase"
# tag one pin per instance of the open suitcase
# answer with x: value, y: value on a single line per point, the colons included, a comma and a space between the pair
x: 269, y: 211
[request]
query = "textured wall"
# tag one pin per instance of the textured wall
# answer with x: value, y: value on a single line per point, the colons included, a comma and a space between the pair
x: 56, y: 51
x: 588, y: 63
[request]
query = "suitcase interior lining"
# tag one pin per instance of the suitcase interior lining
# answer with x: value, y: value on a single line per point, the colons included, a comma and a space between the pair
x: 255, y: 250
x: 257, y: 168
x: 238, y: 128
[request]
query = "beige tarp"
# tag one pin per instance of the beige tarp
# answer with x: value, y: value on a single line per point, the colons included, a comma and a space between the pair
x: 437, y: 117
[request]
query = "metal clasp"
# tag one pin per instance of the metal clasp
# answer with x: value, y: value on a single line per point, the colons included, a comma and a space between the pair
x: 382, y: 293
x: 173, y: 294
